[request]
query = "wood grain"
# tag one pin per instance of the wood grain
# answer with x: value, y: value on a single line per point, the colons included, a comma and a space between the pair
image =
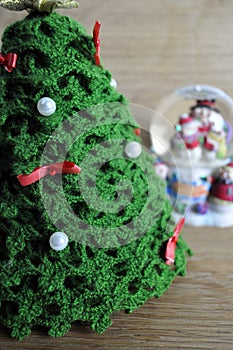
x: 152, y: 47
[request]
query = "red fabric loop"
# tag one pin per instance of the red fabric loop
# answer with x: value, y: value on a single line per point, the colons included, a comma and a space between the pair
x: 96, y: 39
x: 65, y: 167
x: 137, y: 131
x: 171, y: 244
x: 9, y: 61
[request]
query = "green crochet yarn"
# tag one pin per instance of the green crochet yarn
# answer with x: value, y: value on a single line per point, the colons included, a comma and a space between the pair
x: 96, y: 274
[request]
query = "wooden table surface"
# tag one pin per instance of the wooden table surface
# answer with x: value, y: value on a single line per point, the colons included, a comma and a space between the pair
x: 152, y: 47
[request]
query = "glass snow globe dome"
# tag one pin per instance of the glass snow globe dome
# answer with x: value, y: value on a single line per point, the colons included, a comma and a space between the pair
x: 193, y: 136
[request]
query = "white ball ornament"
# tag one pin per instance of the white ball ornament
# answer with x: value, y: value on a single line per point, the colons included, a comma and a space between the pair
x: 58, y: 241
x: 133, y: 149
x: 113, y: 83
x: 46, y: 106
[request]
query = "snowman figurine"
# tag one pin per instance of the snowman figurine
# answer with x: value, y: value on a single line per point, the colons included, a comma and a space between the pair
x: 188, y: 135
x: 215, y: 145
x: 201, y: 112
x: 221, y: 192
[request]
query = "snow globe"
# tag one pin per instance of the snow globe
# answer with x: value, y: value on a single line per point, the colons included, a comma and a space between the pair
x: 198, y: 153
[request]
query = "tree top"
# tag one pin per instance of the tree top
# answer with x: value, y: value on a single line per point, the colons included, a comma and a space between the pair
x: 37, y: 5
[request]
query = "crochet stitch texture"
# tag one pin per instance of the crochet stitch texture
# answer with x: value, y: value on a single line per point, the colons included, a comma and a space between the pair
x: 83, y: 282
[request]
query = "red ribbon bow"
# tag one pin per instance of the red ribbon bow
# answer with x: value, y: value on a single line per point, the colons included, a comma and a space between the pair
x: 9, y: 61
x: 65, y: 167
x: 96, y: 34
x: 171, y: 244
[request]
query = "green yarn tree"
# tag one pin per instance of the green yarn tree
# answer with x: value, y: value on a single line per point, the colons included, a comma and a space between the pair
x: 115, y: 256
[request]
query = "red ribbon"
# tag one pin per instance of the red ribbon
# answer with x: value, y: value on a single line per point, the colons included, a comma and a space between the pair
x: 96, y: 38
x: 9, y: 61
x: 171, y: 244
x: 137, y: 131
x: 65, y: 167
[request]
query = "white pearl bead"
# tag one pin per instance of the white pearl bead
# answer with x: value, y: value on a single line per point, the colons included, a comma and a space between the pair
x: 113, y: 83
x: 46, y: 106
x: 133, y: 149
x: 58, y: 241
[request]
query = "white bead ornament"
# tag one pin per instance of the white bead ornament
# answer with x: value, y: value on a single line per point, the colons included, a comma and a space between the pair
x: 46, y: 106
x: 58, y: 241
x: 133, y: 149
x: 113, y: 83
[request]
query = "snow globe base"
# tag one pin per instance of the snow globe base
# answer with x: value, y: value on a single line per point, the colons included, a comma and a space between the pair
x: 211, y: 218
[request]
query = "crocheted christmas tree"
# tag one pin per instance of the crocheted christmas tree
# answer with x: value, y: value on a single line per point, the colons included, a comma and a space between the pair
x: 108, y: 252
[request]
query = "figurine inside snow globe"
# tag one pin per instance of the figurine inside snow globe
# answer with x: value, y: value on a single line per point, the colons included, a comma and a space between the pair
x: 199, y: 154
